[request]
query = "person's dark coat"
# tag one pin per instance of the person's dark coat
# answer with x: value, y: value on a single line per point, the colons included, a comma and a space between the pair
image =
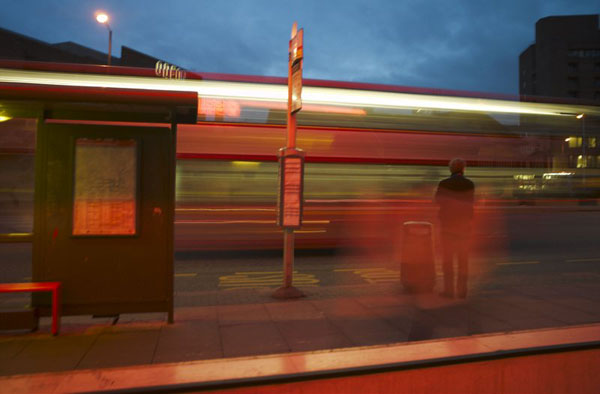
x: 455, y: 197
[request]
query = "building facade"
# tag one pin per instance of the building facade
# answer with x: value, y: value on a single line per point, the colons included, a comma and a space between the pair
x: 564, y: 64
x: 564, y: 61
x: 15, y: 46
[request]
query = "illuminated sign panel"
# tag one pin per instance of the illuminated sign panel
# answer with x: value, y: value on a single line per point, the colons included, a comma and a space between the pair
x: 105, y: 187
x: 168, y: 71
x: 296, y: 87
x: 210, y: 108
x: 291, y: 179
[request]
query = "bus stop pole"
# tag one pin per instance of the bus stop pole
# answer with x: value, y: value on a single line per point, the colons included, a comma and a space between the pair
x: 288, y: 246
x: 287, y: 290
x: 288, y: 233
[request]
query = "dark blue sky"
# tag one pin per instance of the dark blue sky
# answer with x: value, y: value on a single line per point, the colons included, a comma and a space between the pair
x: 448, y: 44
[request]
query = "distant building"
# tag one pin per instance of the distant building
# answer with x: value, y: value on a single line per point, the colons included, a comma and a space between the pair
x: 15, y: 46
x: 564, y: 61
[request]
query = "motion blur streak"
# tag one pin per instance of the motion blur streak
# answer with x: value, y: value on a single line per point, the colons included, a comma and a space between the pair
x: 278, y: 93
x: 374, y: 156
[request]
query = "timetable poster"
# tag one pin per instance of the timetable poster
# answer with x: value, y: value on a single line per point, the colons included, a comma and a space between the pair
x: 105, y: 187
x: 292, y: 192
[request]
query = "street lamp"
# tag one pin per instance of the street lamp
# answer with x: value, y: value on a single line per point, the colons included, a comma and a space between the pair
x: 102, y: 17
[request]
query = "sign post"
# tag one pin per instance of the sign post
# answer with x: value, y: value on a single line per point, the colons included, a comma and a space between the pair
x: 291, y: 168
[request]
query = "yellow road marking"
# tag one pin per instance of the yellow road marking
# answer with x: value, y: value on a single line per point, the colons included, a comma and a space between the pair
x: 187, y: 275
x: 374, y: 275
x: 258, y: 279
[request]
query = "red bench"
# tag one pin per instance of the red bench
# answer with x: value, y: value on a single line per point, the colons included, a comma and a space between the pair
x: 54, y: 287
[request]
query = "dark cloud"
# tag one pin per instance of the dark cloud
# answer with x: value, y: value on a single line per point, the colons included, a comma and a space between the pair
x: 462, y: 45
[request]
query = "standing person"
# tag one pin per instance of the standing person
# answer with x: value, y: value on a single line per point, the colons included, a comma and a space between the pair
x: 455, y: 196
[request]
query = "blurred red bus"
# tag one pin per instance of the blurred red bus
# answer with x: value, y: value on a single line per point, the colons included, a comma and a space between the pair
x: 374, y: 153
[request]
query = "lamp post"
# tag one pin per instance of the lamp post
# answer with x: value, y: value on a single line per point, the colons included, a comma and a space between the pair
x: 102, y: 17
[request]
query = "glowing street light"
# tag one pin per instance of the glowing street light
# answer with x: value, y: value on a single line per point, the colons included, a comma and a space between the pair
x: 102, y: 17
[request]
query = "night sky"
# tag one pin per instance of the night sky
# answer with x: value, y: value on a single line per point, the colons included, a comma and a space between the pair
x: 470, y: 45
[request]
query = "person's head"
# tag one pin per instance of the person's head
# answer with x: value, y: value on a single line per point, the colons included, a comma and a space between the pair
x: 457, y: 166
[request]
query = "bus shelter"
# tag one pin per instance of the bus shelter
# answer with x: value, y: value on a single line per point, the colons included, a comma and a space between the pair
x: 104, y: 193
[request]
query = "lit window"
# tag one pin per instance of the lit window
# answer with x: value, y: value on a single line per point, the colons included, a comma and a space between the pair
x: 574, y: 142
x: 581, y: 162
x: 592, y: 142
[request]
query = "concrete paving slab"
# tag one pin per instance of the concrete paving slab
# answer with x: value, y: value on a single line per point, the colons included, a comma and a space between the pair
x: 135, y: 326
x: 296, y: 309
x: 11, y: 346
x: 49, y: 354
x: 400, y: 317
x: 553, y: 292
x: 304, y: 335
x: 534, y: 322
x: 368, y: 331
x: 493, y: 306
x: 341, y: 308
x: 250, y: 323
x: 252, y: 339
x: 581, y: 304
x: 483, y: 324
x: 422, y: 325
x: 188, y: 340
x: 399, y: 299
x: 195, y: 298
x: 242, y: 314
x: 566, y: 314
x: 243, y: 296
x: 115, y: 349
x: 450, y: 321
x: 77, y: 325
x: 358, y: 323
x: 202, y: 313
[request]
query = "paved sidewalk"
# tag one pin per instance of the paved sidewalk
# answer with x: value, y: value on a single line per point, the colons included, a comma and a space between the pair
x: 218, y: 324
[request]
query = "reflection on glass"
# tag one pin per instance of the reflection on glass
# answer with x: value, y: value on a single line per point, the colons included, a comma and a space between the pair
x: 17, y: 174
x: 373, y: 162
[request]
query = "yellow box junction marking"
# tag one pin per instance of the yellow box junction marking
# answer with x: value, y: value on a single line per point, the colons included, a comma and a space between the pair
x: 374, y: 275
x: 260, y: 279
